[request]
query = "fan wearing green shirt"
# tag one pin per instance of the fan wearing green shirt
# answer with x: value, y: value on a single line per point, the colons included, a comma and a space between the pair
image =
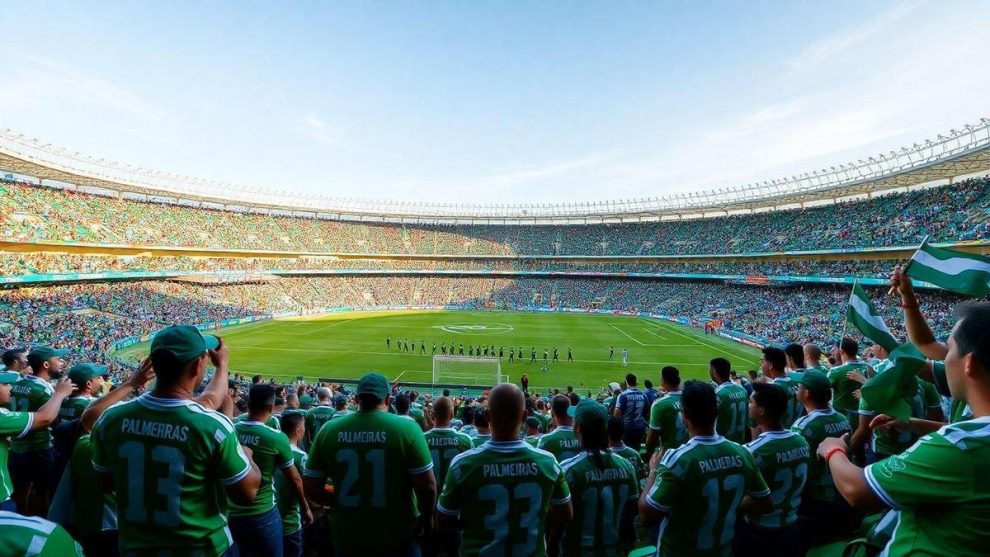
x: 782, y: 457
x: 813, y: 357
x: 483, y: 432
x: 615, y: 430
x: 700, y: 488
x: 170, y: 460
x: 319, y: 414
x: 560, y: 442
x: 88, y: 379
x: 293, y: 508
x: 731, y: 402
x: 847, y: 378
x: 605, y: 489
x: 15, y: 425
x: 382, y: 474
x: 504, y: 493
x: 774, y: 364
x: 32, y: 458
x: 533, y: 434
x: 939, y: 485
x: 445, y: 444
x: 822, y: 514
x: 35, y: 537
x: 15, y: 360
x: 666, y: 426
x: 257, y: 526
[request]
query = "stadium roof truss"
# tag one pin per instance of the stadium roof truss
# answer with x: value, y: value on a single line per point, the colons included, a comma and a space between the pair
x: 961, y: 152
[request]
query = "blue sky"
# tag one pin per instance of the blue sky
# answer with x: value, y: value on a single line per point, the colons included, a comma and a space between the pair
x: 492, y: 101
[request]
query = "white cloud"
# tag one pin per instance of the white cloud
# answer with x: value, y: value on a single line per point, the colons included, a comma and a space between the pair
x: 322, y: 132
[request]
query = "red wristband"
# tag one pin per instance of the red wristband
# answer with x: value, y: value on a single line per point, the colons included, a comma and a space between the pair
x: 828, y: 455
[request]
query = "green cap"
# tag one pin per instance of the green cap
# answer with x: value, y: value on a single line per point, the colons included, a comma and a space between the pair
x: 339, y: 399
x: 533, y: 421
x: 184, y: 341
x: 815, y: 381
x: 43, y: 353
x: 373, y: 384
x: 305, y: 400
x: 9, y: 377
x: 587, y: 411
x: 80, y: 373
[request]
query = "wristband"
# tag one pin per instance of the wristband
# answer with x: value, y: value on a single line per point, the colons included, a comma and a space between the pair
x: 832, y: 451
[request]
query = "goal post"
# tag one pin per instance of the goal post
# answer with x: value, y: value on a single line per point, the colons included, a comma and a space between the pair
x: 468, y: 370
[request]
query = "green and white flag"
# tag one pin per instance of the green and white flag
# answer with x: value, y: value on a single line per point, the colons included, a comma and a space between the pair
x: 963, y: 273
x: 864, y: 316
x: 890, y: 391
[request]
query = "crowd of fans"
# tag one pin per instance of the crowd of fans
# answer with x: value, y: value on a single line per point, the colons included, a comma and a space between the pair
x: 958, y: 212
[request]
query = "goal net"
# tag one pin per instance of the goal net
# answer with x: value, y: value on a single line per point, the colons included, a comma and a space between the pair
x: 467, y: 370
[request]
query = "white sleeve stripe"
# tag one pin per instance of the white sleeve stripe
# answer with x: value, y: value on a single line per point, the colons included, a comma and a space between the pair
x: 657, y: 506
x: 287, y: 465
x: 99, y: 468
x: 313, y: 473
x: 236, y: 478
x: 27, y: 428
x: 877, y: 490
x: 421, y: 469
x: 563, y: 501
x: 763, y: 493
x: 446, y: 511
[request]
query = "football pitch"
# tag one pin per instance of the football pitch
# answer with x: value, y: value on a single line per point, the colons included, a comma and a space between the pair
x: 347, y: 345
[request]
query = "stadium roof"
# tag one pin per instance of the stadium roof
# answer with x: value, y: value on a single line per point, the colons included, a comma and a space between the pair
x: 962, y: 151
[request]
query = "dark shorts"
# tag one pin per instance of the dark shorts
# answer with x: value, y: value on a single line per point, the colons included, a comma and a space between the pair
x: 34, y: 467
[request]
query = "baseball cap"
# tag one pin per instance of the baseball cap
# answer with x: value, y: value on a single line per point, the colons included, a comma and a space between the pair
x: 815, y: 381
x: 185, y: 342
x: 305, y: 400
x: 9, y: 377
x: 373, y: 384
x: 613, y: 386
x: 42, y: 353
x: 80, y: 373
x: 588, y: 410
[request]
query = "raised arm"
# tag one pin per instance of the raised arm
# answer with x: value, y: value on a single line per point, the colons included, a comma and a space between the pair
x: 215, y: 393
x: 919, y: 333
x: 48, y: 414
x: 138, y: 379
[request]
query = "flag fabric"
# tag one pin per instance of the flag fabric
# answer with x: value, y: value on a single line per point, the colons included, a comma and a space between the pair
x: 865, y: 317
x: 963, y: 273
x: 889, y: 392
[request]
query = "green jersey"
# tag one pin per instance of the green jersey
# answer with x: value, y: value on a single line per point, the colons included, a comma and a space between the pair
x: 288, y: 501
x: 732, y: 411
x: 29, y: 395
x: 782, y: 457
x: 35, y: 537
x: 271, y: 422
x: 270, y: 450
x: 794, y: 408
x: 667, y: 421
x: 700, y: 486
x: 370, y: 458
x: 73, y: 408
x: 600, y: 497
x: 315, y: 418
x: 843, y: 387
x: 533, y: 440
x: 815, y: 427
x: 941, y: 489
x: 13, y: 425
x: 561, y: 443
x: 632, y: 455
x: 445, y: 444
x: 480, y: 439
x: 884, y: 444
x: 168, y: 460
x: 416, y: 411
x: 544, y: 422
x: 92, y: 511
x: 503, y: 492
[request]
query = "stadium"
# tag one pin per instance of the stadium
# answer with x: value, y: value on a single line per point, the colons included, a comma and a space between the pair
x: 793, y: 366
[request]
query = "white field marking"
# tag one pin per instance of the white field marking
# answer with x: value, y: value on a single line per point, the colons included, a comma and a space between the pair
x: 748, y: 358
x: 249, y: 329
x: 334, y: 324
x: 400, y: 375
x: 494, y: 329
x: 627, y: 334
x: 658, y: 335
x: 663, y: 345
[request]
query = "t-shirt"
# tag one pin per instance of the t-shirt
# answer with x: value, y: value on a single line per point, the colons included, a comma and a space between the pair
x: 941, y: 488
x: 885, y: 443
x: 700, y: 486
x: 445, y: 444
x: 271, y: 422
x: 316, y: 417
x: 630, y: 404
x: 666, y: 420
x: 814, y: 427
x: 35, y: 537
x: 288, y: 501
x: 732, y: 411
x: 370, y: 458
x: 503, y: 492
x: 843, y: 387
x: 782, y: 457
x: 13, y: 425
x: 169, y: 460
x: 92, y: 510
x: 533, y: 440
x: 29, y: 395
x: 560, y: 442
x: 73, y: 408
x: 794, y: 408
x: 600, y: 496
x: 270, y: 450
x: 479, y: 439
x: 632, y: 455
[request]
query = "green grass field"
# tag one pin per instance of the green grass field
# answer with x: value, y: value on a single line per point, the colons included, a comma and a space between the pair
x: 346, y: 345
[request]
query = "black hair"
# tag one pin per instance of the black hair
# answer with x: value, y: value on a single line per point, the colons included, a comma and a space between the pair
x: 559, y: 405
x: 402, y: 404
x: 467, y: 414
x: 10, y: 356
x: 260, y: 397
x: 574, y: 398
x: 721, y: 367
x: 796, y: 352
x: 671, y: 376
x: 821, y: 398
x: 290, y: 421
x: 972, y: 334
x: 648, y: 384
x: 776, y: 357
x: 254, y: 379
x: 167, y: 366
x: 446, y: 392
x: 480, y: 417
x: 772, y: 399
x: 699, y: 403
x: 849, y: 346
x: 616, y: 428
x: 631, y: 379
x: 595, y: 440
